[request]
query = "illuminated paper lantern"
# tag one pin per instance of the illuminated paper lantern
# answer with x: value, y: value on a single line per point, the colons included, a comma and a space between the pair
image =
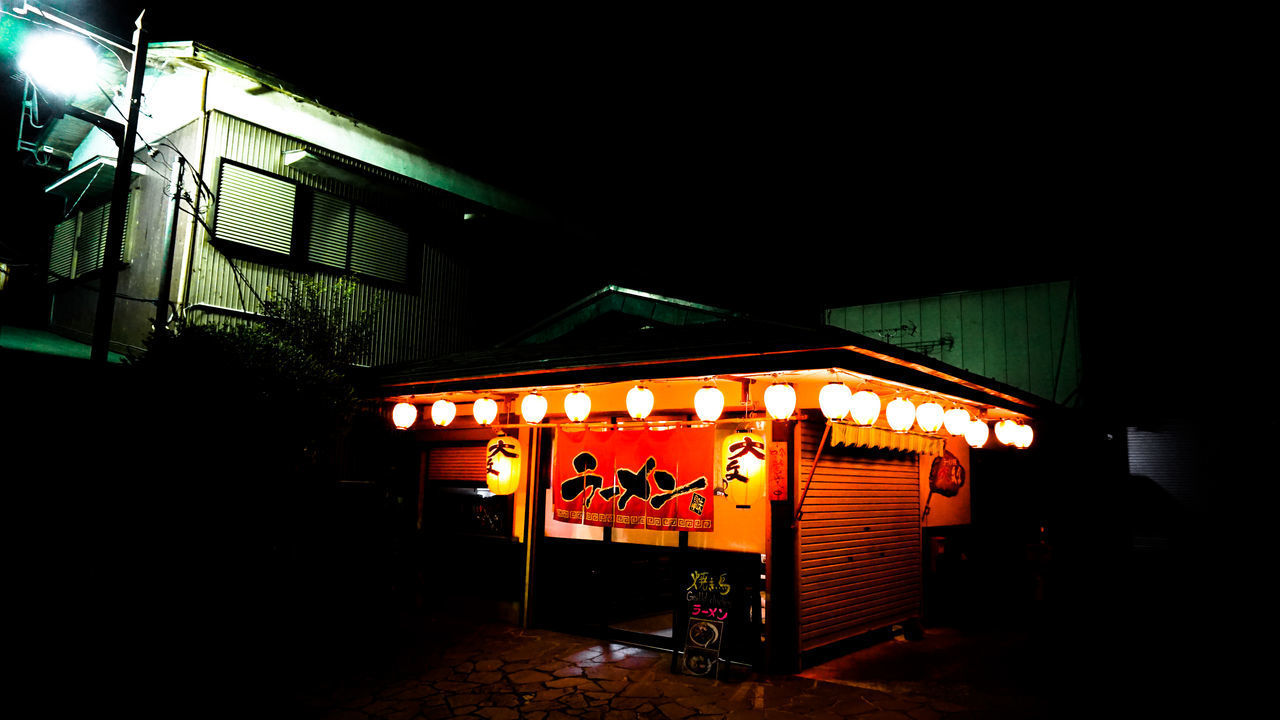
x: 577, y: 405
x: 956, y: 420
x: 485, y: 410
x: 533, y: 408
x: 780, y: 400
x: 502, y: 465
x: 865, y: 407
x: 929, y: 416
x: 639, y: 402
x: 1005, y: 431
x: 901, y: 414
x: 1022, y: 436
x: 976, y: 433
x: 834, y: 399
x: 443, y: 412
x: 403, y: 415
x: 743, y: 467
x: 708, y: 402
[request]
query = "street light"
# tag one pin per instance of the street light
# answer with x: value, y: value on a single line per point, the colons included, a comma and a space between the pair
x: 59, y: 63
x: 125, y: 135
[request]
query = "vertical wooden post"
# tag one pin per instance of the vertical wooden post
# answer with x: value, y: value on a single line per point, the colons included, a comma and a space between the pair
x: 782, y: 621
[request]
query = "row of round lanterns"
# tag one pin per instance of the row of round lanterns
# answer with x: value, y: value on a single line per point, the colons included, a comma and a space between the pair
x: 863, y: 407
x: 836, y: 400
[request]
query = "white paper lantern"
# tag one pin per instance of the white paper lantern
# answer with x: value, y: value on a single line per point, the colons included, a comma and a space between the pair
x: 577, y: 405
x: 834, y: 399
x: 443, y: 412
x: 901, y: 414
x: 929, y: 416
x: 1022, y: 436
x: 533, y: 408
x: 956, y: 420
x: 865, y: 407
x: 639, y: 402
x: 780, y: 400
x: 403, y: 415
x: 708, y: 402
x: 1005, y: 431
x: 485, y: 410
x: 976, y: 433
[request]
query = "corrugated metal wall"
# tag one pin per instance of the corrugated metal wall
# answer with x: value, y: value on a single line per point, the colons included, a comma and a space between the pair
x: 1027, y: 336
x: 416, y: 323
x: 860, y: 557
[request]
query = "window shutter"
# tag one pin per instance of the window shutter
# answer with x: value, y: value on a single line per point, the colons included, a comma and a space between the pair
x: 457, y: 464
x: 62, y: 249
x: 330, y: 228
x: 254, y: 209
x: 378, y: 247
x: 90, y: 243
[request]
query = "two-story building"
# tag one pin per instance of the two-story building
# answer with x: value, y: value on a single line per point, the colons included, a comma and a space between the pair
x: 241, y: 183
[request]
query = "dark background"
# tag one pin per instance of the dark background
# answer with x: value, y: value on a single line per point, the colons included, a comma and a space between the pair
x: 781, y: 162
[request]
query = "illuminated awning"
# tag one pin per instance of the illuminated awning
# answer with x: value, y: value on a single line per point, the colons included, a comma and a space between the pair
x: 91, y: 179
x: 874, y: 437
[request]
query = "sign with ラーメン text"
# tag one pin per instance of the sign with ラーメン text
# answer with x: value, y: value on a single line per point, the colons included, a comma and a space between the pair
x: 659, y: 479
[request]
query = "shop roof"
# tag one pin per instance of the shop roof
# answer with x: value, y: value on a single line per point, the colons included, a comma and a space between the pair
x: 620, y: 335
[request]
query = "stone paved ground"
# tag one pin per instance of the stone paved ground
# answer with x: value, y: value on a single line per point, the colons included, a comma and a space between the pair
x: 500, y: 672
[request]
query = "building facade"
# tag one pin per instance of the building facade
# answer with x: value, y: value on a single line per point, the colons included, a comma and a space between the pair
x: 758, y: 538
x: 242, y: 185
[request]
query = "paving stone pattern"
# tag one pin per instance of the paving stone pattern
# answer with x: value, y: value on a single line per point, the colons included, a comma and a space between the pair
x: 499, y: 672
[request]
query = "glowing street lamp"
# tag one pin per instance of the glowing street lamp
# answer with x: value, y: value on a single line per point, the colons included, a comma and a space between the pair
x: 126, y: 136
x: 60, y: 64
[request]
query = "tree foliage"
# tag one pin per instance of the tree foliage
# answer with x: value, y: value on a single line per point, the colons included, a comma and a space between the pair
x: 284, y: 378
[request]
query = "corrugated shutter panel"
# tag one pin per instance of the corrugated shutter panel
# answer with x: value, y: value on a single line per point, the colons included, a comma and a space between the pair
x: 255, y: 209
x: 93, y: 235
x: 860, y: 561
x: 330, y: 231
x: 62, y: 250
x: 378, y: 247
x: 456, y: 464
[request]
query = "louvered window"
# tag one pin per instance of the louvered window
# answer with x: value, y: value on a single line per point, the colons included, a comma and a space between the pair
x: 378, y: 247
x: 270, y: 214
x: 80, y: 240
x: 255, y: 209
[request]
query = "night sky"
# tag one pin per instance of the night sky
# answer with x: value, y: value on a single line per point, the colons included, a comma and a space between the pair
x: 808, y: 162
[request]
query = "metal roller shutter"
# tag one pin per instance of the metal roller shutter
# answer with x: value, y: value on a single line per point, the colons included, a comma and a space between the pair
x: 860, y: 556
x: 456, y: 464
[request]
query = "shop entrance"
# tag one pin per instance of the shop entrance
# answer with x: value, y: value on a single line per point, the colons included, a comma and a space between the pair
x: 640, y: 594
x: 614, y: 591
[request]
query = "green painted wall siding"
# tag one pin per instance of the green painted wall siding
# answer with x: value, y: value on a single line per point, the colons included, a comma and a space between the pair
x: 1024, y: 336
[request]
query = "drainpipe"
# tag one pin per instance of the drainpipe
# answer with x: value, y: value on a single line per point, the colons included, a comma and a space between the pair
x: 184, y: 280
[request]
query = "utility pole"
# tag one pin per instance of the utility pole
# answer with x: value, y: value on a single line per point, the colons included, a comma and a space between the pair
x: 109, y: 280
x: 126, y: 136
